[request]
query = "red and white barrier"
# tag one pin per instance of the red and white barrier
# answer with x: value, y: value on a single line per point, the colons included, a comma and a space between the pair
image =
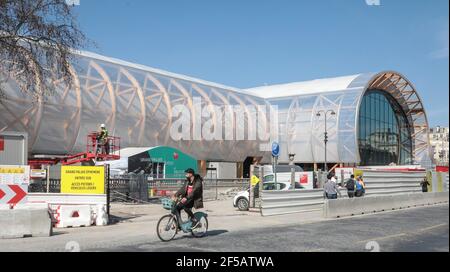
x: 73, y: 210
x: 74, y: 216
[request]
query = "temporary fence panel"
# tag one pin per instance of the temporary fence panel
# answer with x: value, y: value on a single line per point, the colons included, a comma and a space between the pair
x: 377, y: 183
x: 446, y: 182
x: 390, y: 182
x: 286, y: 202
x: 438, y: 182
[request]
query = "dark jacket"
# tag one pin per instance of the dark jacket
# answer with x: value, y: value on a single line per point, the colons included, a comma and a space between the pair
x: 197, y: 192
x: 425, y: 185
x: 350, y: 184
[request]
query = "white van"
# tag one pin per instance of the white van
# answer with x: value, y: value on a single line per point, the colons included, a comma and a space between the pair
x: 306, y: 179
x: 241, y: 200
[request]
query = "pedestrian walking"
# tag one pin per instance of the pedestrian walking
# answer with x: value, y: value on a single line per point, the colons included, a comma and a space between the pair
x: 424, y: 183
x: 330, y: 189
x: 350, y: 184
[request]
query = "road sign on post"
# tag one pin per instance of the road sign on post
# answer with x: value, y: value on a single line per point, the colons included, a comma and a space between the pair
x: 251, y: 192
x: 13, y: 194
x: 275, y: 149
x: 261, y: 187
x: 275, y: 155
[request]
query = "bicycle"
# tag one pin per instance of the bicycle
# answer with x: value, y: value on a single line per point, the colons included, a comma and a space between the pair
x: 169, y: 225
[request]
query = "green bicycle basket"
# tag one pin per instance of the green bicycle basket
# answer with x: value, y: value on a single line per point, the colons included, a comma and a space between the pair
x: 167, y: 203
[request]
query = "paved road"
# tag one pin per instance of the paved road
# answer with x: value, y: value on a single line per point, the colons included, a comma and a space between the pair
x: 418, y: 230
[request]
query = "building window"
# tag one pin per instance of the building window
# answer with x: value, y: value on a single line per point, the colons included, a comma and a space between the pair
x: 384, y: 131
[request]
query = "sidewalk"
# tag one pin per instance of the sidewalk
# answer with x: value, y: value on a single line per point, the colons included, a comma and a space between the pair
x: 137, y: 224
x: 221, y: 211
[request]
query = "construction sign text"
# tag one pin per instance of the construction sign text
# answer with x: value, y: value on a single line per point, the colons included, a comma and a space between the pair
x: 82, y: 180
x: 14, y: 174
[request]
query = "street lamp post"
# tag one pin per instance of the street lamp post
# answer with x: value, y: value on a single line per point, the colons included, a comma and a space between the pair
x: 292, y: 164
x: 325, y: 113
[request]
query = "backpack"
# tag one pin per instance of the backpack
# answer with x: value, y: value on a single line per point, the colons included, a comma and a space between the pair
x: 351, y: 185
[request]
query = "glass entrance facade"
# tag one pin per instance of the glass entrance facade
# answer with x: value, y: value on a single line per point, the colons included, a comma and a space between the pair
x: 384, y: 132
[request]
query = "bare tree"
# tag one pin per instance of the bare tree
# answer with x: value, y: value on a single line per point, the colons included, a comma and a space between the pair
x: 36, y: 41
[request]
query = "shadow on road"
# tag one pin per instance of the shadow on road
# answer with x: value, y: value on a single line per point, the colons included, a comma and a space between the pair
x: 210, y: 233
x: 57, y: 232
x: 114, y: 219
x: 216, y: 232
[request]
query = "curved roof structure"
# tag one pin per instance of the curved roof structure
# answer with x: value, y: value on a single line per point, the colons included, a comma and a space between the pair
x: 301, y: 131
x: 139, y: 104
x: 306, y: 87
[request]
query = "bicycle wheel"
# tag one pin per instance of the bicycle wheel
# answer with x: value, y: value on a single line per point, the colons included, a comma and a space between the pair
x: 202, y: 228
x: 167, y: 228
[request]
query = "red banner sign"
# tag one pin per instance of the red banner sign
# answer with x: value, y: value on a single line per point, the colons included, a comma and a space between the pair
x: 2, y: 144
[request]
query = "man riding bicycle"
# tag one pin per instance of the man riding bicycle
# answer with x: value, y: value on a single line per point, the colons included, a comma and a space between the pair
x: 192, y: 196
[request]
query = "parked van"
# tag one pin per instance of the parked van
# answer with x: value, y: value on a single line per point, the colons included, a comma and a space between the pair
x: 241, y: 200
x: 306, y: 179
x: 281, y: 168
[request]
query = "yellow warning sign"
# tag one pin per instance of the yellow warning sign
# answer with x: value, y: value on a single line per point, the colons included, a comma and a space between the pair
x: 359, y: 173
x: 254, y: 180
x: 9, y: 170
x: 83, y: 180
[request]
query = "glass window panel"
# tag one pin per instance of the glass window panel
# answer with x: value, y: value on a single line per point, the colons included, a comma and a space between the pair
x: 377, y: 108
x: 373, y: 112
x: 362, y: 110
x: 367, y: 104
x: 383, y: 135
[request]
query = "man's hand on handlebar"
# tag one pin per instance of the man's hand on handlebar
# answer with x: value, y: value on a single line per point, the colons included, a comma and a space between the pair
x: 179, y: 198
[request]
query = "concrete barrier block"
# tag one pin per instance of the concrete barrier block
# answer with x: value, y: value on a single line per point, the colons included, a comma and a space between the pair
x: 23, y: 222
x: 364, y: 205
x: 14, y: 223
x: 41, y: 224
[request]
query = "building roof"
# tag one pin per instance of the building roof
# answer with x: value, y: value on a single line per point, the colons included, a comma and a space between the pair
x: 273, y: 91
x: 131, y: 151
x: 156, y: 71
x: 304, y: 88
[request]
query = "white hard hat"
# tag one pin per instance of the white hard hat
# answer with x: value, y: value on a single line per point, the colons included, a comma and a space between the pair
x: 102, y: 125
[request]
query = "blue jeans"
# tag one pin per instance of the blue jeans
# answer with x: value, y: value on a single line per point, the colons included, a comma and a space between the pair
x: 187, y: 207
x: 332, y: 196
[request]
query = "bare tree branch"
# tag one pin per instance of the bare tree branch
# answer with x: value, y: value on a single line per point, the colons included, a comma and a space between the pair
x: 36, y: 41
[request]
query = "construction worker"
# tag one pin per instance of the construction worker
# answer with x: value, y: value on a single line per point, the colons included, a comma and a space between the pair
x: 102, y: 139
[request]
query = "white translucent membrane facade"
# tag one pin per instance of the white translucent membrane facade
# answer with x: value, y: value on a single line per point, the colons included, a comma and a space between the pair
x: 137, y: 102
x: 302, y: 131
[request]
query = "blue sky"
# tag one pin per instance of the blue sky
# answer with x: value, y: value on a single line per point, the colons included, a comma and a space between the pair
x: 255, y: 42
